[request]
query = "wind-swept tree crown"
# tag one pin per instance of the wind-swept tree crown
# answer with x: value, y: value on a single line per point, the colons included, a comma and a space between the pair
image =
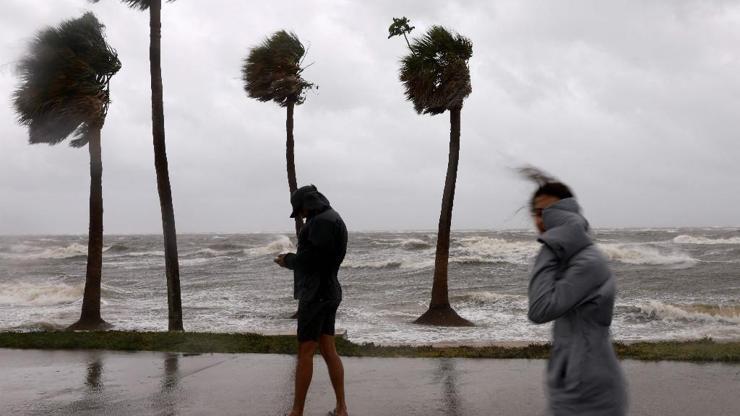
x: 272, y: 70
x: 435, y: 74
x: 135, y: 4
x: 64, y: 81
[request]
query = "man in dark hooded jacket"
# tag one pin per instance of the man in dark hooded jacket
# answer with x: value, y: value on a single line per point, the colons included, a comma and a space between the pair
x: 572, y: 285
x: 322, y: 244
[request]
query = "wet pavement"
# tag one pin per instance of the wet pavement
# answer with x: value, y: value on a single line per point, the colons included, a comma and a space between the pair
x: 154, y: 383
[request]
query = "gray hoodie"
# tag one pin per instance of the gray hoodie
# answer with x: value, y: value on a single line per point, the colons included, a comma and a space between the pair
x: 572, y: 284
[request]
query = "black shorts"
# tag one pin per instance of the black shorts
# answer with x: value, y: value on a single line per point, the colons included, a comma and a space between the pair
x: 316, y: 319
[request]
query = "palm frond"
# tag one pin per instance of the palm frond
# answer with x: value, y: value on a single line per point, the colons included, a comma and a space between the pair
x: 135, y: 4
x: 272, y: 70
x: 435, y: 74
x: 64, y: 81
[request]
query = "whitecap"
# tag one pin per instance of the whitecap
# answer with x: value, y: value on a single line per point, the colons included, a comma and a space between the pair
x: 368, y: 264
x: 492, y: 250
x: 19, y: 293
x: 415, y: 244
x: 642, y: 254
x: 653, y: 309
x: 281, y: 245
x: 689, y: 239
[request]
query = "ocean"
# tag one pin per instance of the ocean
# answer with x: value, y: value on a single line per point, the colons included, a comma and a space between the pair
x: 672, y: 284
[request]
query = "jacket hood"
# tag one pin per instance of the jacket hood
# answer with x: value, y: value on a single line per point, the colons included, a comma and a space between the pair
x: 310, y: 198
x: 566, y: 230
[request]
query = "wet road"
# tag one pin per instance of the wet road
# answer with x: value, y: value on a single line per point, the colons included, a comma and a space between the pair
x: 147, y: 383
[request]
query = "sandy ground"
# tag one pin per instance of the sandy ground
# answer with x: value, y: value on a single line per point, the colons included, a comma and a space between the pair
x: 153, y: 383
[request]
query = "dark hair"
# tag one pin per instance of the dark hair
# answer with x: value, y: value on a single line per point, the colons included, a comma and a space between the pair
x: 556, y: 189
x: 546, y: 184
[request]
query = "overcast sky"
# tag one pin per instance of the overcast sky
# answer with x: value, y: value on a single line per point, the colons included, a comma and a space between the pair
x: 634, y: 104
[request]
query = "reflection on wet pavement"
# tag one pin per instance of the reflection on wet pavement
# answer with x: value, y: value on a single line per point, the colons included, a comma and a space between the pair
x: 450, y: 397
x: 94, y: 370
x: 166, y: 400
x: 169, y: 384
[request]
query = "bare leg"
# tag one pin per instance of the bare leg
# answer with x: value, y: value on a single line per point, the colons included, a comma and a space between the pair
x: 336, y: 371
x: 303, y: 375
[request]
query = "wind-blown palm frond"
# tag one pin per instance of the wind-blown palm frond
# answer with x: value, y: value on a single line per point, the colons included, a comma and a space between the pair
x: 64, y: 81
x: 272, y: 70
x: 435, y: 74
x: 134, y: 4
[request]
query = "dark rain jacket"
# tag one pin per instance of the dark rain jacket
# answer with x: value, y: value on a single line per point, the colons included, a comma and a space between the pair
x: 572, y: 284
x: 322, y: 245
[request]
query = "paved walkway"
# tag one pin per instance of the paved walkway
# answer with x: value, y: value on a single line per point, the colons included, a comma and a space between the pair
x: 148, y: 383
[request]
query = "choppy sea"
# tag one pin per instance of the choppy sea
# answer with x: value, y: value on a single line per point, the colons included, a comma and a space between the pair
x: 672, y: 283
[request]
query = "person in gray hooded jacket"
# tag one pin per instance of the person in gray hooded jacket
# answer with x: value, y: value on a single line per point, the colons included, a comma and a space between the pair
x: 571, y: 284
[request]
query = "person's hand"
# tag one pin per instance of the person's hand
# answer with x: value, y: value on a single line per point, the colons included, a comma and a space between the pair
x: 280, y: 260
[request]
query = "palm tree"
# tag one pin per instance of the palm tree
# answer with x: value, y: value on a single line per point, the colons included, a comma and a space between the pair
x: 436, y: 78
x: 272, y: 72
x: 64, y: 91
x: 172, y: 266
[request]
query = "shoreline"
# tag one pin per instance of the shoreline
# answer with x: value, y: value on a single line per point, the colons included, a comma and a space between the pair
x: 700, y: 350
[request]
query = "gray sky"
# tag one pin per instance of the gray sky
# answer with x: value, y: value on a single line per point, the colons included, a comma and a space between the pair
x: 633, y: 103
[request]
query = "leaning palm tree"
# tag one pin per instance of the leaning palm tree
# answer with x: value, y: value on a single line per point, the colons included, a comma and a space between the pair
x: 64, y: 92
x: 272, y: 72
x: 172, y: 266
x: 436, y: 78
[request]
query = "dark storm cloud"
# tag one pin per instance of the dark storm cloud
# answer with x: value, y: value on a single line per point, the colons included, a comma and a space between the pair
x: 632, y: 103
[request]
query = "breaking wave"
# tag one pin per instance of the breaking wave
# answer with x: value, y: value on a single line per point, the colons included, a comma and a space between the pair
x: 482, y: 298
x: 369, y: 264
x: 656, y: 310
x: 415, y: 244
x: 281, y: 245
x: 410, y: 244
x: 689, y: 239
x: 646, y: 255
x: 492, y: 250
x: 39, y: 294
x: 23, y: 252
x: 72, y: 251
x: 116, y: 248
x: 225, y: 247
x: 210, y: 252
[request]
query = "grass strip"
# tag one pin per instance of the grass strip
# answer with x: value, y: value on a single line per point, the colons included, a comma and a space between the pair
x: 702, y: 350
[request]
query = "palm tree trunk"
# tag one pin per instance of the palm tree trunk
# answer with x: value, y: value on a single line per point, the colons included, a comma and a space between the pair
x: 440, y: 312
x: 172, y: 266
x: 90, y: 316
x: 289, y: 157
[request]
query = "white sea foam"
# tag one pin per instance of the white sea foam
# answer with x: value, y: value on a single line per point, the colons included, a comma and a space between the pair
x: 404, y: 243
x: 415, y: 244
x: 19, y: 293
x: 492, y: 250
x: 215, y: 252
x: 25, y: 252
x: 152, y: 253
x: 406, y: 262
x: 689, y: 239
x: 654, y: 309
x: 485, y: 297
x: 74, y: 250
x: 644, y: 254
x: 370, y: 264
x: 281, y: 245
